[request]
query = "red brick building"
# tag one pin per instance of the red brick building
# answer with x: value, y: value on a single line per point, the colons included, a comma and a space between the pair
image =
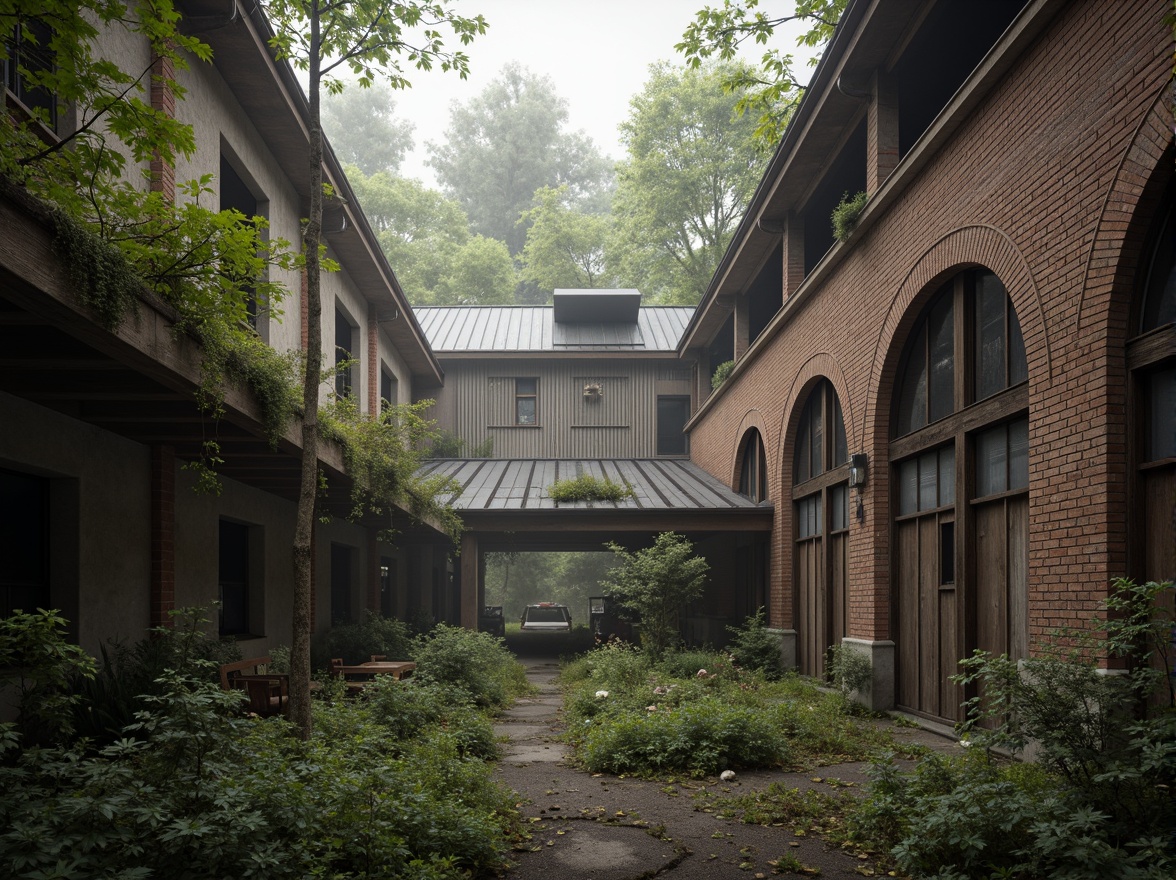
x: 994, y: 339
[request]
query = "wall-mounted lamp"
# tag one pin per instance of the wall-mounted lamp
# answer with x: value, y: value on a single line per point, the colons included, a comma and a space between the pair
x: 858, y: 470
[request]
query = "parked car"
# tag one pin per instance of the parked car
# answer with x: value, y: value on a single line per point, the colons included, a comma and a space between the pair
x: 546, y: 617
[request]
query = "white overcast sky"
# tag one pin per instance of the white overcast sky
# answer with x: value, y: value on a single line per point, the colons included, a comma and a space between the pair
x: 596, y: 52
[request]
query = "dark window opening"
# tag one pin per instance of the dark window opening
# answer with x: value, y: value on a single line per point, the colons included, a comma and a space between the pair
x: 343, y: 348
x: 234, y: 578
x: 387, y: 587
x: 722, y: 347
x: 820, y: 438
x: 947, y: 552
x: 765, y: 295
x: 235, y: 195
x: 845, y: 179
x: 388, y: 390
x: 952, y: 40
x: 753, y: 470
x: 24, y: 542
x: 672, y: 415
x: 29, y: 57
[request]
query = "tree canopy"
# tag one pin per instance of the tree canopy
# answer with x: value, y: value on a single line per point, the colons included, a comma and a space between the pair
x: 690, y: 171
x: 565, y: 247
x: 364, y: 130
x: 768, y: 94
x: 505, y: 144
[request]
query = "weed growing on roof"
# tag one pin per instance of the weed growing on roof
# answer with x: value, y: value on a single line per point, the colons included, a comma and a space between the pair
x: 586, y: 487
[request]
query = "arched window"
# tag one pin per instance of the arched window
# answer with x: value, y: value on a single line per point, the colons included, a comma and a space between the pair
x: 960, y: 457
x: 1151, y: 357
x: 820, y: 495
x: 753, y: 469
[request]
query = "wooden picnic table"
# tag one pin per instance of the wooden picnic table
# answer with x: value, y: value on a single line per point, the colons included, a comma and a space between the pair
x: 359, y: 675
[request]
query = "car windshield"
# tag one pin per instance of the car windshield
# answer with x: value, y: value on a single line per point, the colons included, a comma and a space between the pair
x: 546, y: 615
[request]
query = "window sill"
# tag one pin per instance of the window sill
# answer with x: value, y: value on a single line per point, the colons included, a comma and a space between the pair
x: 512, y: 427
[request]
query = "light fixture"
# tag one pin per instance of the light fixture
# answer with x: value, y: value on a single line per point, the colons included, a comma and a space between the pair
x: 857, y: 470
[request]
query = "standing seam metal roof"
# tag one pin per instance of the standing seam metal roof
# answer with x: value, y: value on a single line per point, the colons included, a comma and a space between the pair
x: 454, y: 329
x: 521, y: 484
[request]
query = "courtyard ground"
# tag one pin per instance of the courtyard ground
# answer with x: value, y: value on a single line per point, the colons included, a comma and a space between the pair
x: 589, y: 826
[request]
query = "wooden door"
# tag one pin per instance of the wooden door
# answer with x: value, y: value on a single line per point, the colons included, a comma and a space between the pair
x: 928, y: 644
x: 812, y: 603
x: 1001, y: 606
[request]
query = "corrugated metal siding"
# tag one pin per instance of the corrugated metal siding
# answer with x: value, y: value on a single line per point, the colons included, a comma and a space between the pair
x: 476, y: 403
x: 522, y: 484
x: 531, y: 328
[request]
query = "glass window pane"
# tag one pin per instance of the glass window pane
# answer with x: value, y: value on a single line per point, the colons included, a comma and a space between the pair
x: 912, y: 394
x: 928, y: 481
x: 840, y: 447
x: 908, y: 486
x: 991, y: 304
x: 839, y: 502
x: 991, y: 466
x: 1019, y: 454
x: 526, y: 410
x: 1018, y: 368
x: 941, y: 352
x: 818, y: 516
x: 1163, y: 415
x: 816, y: 423
x: 947, y: 476
x: 803, y: 455
x: 525, y: 386
x: 1159, y: 306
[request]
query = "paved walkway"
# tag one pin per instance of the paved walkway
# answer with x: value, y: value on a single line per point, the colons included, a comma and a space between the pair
x: 595, y: 827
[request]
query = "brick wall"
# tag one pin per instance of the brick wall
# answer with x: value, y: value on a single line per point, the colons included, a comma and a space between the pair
x: 1039, y: 185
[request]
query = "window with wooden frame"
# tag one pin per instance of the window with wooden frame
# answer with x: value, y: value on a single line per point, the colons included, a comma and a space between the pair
x: 29, y: 56
x: 526, y: 401
x: 24, y: 543
x: 960, y: 459
x: 820, y: 496
x: 1151, y: 359
x: 233, y: 578
x: 753, y: 468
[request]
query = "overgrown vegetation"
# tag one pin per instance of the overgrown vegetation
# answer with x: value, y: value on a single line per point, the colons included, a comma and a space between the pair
x: 845, y: 215
x: 1098, y: 802
x: 652, y: 585
x: 357, y: 641
x: 475, y: 664
x: 393, y: 784
x: 628, y: 713
x: 383, y: 455
x: 753, y: 647
x: 586, y: 487
x: 446, y: 444
x: 721, y: 373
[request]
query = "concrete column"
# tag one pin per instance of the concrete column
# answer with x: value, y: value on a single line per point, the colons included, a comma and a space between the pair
x: 882, y: 132
x: 879, y: 696
x: 787, y: 639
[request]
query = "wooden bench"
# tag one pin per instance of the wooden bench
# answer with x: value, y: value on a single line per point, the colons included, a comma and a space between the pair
x: 359, y: 676
x: 268, y: 692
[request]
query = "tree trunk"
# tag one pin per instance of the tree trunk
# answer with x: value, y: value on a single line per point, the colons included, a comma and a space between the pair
x: 308, y: 490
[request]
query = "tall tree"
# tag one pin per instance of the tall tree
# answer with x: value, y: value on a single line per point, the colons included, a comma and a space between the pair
x: 682, y: 189
x: 323, y: 38
x: 565, y: 247
x: 427, y: 240
x: 770, y: 92
x: 508, y: 142
x: 364, y: 130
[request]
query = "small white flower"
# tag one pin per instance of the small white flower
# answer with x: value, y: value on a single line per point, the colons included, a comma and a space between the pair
x: 967, y: 744
x: 651, y: 708
x: 660, y: 689
x: 702, y: 673
x: 727, y: 775
x: 600, y: 695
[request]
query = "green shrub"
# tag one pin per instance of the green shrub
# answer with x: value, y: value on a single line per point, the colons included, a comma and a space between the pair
x: 193, y: 789
x: 586, y: 487
x: 845, y: 215
x: 476, y: 665
x: 411, y: 708
x: 357, y: 642
x: 722, y: 371
x: 702, y: 737
x: 753, y: 647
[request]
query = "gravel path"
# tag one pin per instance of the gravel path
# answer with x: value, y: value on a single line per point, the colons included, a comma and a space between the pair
x: 596, y: 827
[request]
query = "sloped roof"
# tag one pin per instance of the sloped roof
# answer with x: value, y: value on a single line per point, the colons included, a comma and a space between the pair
x: 520, y: 485
x: 492, y: 329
